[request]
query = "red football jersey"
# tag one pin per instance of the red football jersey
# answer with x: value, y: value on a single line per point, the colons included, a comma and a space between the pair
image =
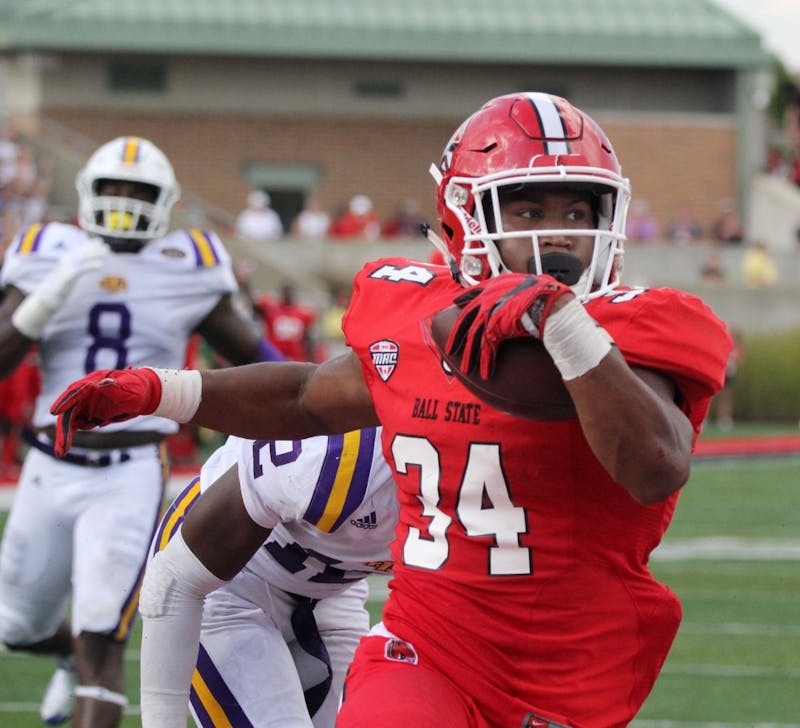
x: 287, y: 326
x: 520, y: 565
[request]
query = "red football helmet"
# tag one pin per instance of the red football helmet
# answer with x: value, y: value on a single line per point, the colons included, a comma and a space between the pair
x: 523, y: 139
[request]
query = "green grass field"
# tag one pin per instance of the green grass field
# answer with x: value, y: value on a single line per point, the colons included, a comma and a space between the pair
x: 732, y: 555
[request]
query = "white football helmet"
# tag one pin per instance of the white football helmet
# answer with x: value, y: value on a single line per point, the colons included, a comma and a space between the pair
x: 127, y: 159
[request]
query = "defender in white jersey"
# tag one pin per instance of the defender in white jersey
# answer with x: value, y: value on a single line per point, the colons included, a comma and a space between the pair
x: 118, y: 291
x: 295, y: 526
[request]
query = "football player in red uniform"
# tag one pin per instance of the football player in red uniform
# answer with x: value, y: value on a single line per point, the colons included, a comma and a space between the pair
x: 521, y: 594
x: 288, y: 323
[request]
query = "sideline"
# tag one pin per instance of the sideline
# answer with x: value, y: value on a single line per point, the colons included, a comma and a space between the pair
x: 755, y: 446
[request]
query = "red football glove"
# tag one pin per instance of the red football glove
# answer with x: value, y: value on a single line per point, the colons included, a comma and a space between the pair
x: 508, y: 306
x: 102, y: 397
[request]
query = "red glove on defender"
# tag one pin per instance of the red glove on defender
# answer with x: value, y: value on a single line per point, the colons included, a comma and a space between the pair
x: 102, y: 397
x: 508, y: 306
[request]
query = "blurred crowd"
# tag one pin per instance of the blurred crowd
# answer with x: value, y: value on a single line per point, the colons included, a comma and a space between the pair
x: 684, y: 226
x: 301, y: 331
x: 25, y: 182
x: 258, y: 221
x: 356, y: 219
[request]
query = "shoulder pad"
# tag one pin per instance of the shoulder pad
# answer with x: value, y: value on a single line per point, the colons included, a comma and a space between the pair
x: 202, y: 247
x: 670, y: 331
x: 47, y: 239
x: 207, y: 247
x: 343, y: 479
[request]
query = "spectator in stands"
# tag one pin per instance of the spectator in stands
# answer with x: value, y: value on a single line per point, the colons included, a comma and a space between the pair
x: 357, y: 221
x: 724, y: 399
x: 10, y: 224
x: 245, y: 298
x: 775, y: 164
x: 712, y: 270
x: 728, y: 226
x: 258, y: 221
x: 37, y: 195
x: 9, y: 150
x: 25, y: 172
x: 758, y: 268
x: 684, y: 227
x: 288, y: 324
x: 643, y: 226
x: 24, y: 181
x: 313, y: 222
x: 331, y: 322
x: 406, y: 221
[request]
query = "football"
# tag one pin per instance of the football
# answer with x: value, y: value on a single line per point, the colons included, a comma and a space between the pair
x: 525, y: 381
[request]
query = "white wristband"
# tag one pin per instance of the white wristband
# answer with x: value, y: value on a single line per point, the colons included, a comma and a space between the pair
x: 575, y: 340
x: 181, y: 392
x: 31, y: 316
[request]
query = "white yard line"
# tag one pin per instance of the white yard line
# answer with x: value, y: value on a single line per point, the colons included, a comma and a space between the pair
x: 730, y: 548
x: 728, y: 671
x: 11, y: 707
x: 741, y: 629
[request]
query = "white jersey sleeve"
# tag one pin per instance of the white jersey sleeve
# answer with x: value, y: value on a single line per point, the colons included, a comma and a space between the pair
x: 36, y: 251
x: 331, y: 504
x: 138, y: 309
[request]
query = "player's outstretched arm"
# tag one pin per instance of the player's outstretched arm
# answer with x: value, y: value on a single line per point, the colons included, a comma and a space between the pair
x: 217, y: 538
x: 286, y: 400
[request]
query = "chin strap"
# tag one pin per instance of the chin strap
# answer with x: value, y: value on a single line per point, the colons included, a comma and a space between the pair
x: 441, y: 246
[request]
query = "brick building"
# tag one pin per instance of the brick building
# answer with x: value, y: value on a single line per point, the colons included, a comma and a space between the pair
x: 351, y: 96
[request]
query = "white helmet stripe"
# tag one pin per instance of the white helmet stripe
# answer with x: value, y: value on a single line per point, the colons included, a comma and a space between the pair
x: 551, y: 122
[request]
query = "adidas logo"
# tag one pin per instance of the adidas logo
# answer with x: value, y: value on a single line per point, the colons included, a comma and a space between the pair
x: 370, y: 521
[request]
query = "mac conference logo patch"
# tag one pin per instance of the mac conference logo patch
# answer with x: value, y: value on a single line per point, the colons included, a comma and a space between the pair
x: 384, y: 357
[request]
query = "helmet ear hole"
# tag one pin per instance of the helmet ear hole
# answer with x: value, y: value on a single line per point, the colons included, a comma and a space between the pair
x: 472, y: 266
